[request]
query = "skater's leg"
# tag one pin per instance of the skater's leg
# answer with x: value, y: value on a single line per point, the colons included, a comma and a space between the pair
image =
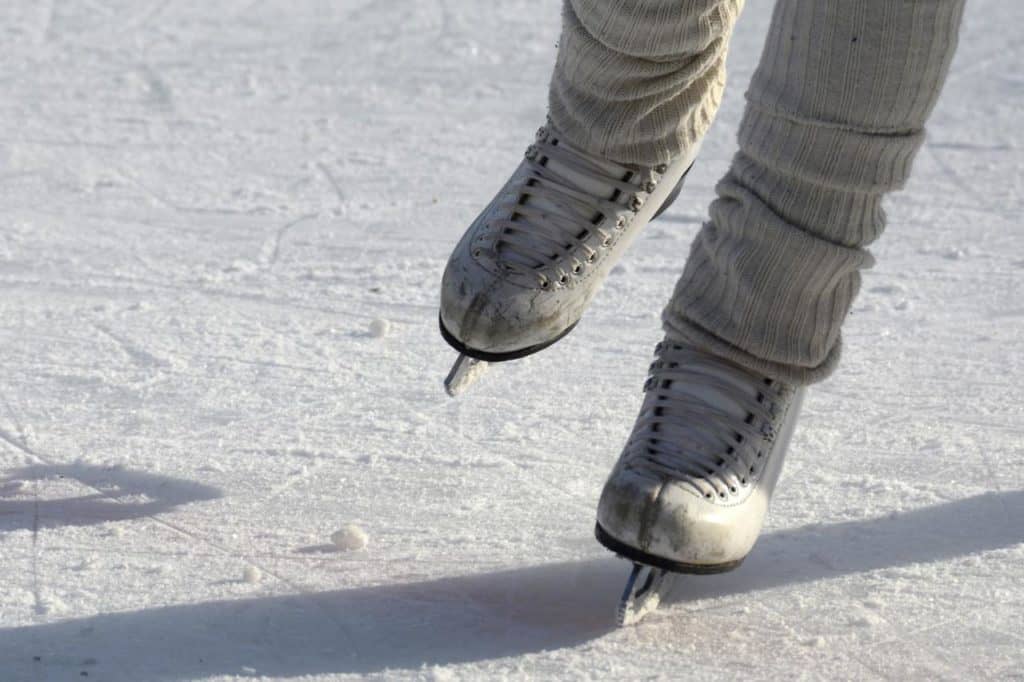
x: 834, y: 118
x: 835, y: 115
x: 640, y: 81
x: 635, y: 87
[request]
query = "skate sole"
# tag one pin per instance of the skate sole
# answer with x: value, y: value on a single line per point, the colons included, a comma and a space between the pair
x: 640, y: 557
x: 498, y: 357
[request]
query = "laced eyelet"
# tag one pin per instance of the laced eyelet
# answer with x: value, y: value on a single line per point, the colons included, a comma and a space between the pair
x: 576, y: 268
x: 563, y: 279
x: 477, y: 253
x: 661, y: 168
x: 532, y: 152
x: 620, y: 222
x: 636, y: 202
x: 649, y: 186
x: 591, y: 257
x: 544, y: 282
x: 606, y: 242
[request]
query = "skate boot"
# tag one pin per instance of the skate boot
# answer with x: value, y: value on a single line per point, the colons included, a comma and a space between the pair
x: 691, y: 489
x: 529, y: 265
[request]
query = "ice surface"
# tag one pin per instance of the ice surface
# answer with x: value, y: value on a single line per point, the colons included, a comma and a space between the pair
x: 203, y: 208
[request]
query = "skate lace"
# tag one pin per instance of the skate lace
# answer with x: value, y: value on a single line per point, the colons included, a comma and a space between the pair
x: 690, y: 429
x: 556, y: 222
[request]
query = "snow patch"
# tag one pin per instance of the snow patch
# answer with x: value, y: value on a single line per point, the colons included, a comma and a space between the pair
x: 351, y: 538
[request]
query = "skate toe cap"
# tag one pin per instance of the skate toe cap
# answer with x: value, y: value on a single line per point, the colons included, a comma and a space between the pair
x: 491, y: 314
x: 662, y: 518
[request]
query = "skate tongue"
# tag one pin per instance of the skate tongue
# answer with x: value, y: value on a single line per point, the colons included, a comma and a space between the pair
x: 728, y: 399
x: 728, y: 390
x: 589, y: 183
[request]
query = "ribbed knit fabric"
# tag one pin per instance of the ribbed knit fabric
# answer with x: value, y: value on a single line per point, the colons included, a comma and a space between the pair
x: 835, y: 115
x: 639, y: 81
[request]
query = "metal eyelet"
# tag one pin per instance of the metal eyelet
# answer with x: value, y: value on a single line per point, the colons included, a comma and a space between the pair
x: 636, y: 202
x: 620, y: 222
x: 649, y: 187
x: 661, y: 168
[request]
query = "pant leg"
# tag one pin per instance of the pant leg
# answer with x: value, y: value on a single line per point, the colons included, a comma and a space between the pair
x: 834, y: 117
x: 638, y: 81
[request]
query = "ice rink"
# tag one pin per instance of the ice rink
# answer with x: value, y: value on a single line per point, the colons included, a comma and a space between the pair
x: 222, y: 230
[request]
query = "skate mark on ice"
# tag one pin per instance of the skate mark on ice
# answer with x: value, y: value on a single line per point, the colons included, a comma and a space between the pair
x: 494, y: 614
x: 332, y: 181
x: 151, y: 13
x: 14, y: 442
x: 46, y: 32
x: 141, y: 356
x: 38, y: 606
x: 161, y: 95
x: 972, y: 147
x: 958, y: 181
x: 271, y: 250
x: 1000, y: 314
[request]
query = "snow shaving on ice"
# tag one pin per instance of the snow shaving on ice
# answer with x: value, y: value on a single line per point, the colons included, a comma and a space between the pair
x: 351, y: 538
x: 379, y: 328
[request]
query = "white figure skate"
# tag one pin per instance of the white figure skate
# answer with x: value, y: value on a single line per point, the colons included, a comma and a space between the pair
x: 691, y: 489
x: 528, y: 266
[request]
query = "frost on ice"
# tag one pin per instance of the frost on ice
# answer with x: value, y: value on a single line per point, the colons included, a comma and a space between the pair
x: 351, y: 538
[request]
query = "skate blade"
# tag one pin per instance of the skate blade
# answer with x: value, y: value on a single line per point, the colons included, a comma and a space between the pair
x: 644, y: 590
x: 465, y: 372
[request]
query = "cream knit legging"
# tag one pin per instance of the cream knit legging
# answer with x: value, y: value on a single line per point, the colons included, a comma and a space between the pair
x: 835, y: 115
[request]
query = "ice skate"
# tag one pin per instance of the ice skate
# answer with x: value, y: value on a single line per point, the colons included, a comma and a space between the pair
x: 526, y: 269
x: 692, y: 486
